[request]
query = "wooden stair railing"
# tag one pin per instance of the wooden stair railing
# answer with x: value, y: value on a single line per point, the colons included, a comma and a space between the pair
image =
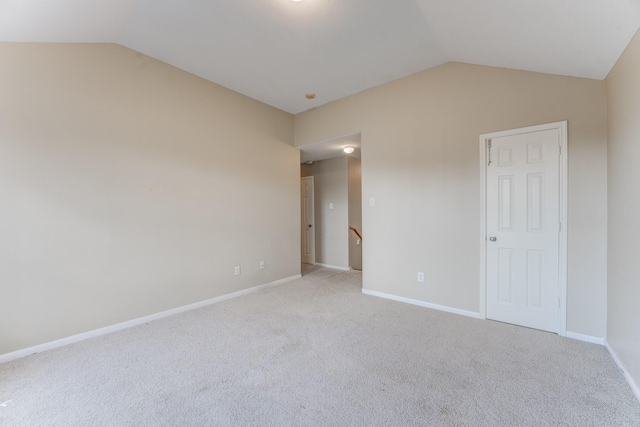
x: 356, y: 231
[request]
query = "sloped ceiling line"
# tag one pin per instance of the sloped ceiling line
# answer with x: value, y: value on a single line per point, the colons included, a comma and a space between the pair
x: 276, y: 51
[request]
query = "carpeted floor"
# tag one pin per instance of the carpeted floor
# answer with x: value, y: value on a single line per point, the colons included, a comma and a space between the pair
x: 317, y: 352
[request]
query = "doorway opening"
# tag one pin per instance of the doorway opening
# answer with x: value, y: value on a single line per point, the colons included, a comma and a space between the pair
x: 336, y: 223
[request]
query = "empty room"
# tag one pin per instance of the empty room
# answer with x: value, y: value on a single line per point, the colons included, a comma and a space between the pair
x: 319, y: 213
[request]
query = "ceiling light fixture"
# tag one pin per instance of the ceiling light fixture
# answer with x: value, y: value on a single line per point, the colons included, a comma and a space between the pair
x: 348, y: 150
x: 310, y: 95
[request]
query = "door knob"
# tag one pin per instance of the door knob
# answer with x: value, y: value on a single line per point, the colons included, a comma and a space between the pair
x: 493, y: 238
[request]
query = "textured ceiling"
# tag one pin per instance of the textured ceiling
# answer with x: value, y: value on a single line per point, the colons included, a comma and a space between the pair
x: 276, y: 51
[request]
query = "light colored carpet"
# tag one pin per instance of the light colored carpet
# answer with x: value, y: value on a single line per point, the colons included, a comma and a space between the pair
x: 318, y: 352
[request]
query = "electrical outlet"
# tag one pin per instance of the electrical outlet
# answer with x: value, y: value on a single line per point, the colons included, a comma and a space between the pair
x: 236, y: 270
x: 262, y: 265
x: 420, y: 277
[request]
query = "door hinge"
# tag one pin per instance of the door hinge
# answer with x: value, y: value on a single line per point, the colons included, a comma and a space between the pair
x: 489, y: 151
x: 559, y: 150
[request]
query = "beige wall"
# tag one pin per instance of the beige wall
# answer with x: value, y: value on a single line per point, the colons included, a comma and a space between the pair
x: 623, y: 99
x: 332, y: 225
x: 354, y: 171
x: 420, y: 161
x: 130, y: 187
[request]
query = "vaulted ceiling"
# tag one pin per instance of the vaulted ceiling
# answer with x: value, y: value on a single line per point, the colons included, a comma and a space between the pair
x: 277, y: 51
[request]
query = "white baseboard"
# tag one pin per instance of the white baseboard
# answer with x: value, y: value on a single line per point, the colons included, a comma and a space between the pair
x: 134, y: 322
x: 334, y: 267
x: 627, y: 376
x: 424, y: 304
x: 586, y: 338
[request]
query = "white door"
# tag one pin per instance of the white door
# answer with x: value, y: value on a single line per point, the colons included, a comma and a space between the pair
x: 523, y: 229
x: 308, y: 243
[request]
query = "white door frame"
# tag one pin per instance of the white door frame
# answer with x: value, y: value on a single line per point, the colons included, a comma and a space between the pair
x: 561, y: 127
x: 313, y: 221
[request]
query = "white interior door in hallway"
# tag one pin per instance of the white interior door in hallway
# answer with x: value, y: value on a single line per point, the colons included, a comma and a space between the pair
x: 307, y: 234
x: 523, y: 227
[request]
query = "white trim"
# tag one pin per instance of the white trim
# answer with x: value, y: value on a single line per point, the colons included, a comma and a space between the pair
x: 313, y: 220
x: 627, y: 376
x: 563, y: 207
x: 423, y: 304
x: 334, y: 267
x: 483, y: 226
x: 563, y: 260
x: 585, y: 338
x: 134, y: 322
